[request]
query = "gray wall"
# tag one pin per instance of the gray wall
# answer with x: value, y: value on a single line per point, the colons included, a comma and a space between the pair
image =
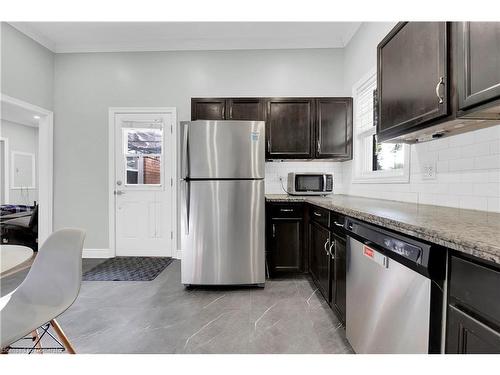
x: 27, y: 68
x: 86, y: 85
x: 24, y: 139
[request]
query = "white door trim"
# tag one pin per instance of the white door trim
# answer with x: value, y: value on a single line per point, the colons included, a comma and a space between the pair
x: 172, y: 156
x: 6, y: 168
x: 45, y: 163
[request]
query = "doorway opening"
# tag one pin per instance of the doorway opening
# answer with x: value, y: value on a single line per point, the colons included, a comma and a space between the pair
x: 26, y: 167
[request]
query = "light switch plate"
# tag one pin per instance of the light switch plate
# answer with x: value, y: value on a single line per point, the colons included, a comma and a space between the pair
x: 429, y: 171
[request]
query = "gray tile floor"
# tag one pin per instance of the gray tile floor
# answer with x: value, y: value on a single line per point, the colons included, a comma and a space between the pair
x: 161, y: 316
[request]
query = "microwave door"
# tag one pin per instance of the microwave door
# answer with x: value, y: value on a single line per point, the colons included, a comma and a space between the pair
x: 309, y: 183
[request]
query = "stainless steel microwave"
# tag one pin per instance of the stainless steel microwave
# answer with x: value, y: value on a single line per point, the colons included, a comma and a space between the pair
x: 310, y: 183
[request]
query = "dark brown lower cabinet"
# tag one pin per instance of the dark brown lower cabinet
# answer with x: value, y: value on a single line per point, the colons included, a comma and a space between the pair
x: 467, y: 335
x: 473, y: 315
x: 284, y: 238
x: 285, y: 250
x: 338, y: 277
x: 319, y: 238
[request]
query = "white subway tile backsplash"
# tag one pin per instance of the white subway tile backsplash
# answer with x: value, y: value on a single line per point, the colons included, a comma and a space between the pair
x: 494, y: 204
x: 473, y: 203
x: 449, y: 153
x: 495, y: 147
x: 478, y: 149
x: 461, y: 164
x: 461, y: 189
x: 468, y: 173
x: 487, y: 162
x: 489, y: 189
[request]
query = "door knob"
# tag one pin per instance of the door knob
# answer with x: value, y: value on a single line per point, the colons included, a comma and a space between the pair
x: 119, y: 192
x: 119, y: 183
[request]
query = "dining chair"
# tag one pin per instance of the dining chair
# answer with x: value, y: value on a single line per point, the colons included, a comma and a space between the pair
x: 50, y: 288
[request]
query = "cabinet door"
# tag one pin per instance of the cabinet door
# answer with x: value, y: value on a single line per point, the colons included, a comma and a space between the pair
x: 285, y: 253
x: 334, y: 128
x: 289, y: 128
x: 320, y: 259
x: 467, y: 335
x: 478, y: 63
x: 245, y: 109
x: 412, y: 77
x: 208, y: 109
x: 339, y: 275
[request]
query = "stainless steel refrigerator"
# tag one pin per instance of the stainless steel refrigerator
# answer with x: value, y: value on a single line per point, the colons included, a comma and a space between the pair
x: 222, y: 200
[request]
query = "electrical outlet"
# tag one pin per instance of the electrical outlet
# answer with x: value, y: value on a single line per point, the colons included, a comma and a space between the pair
x: 429, y: 171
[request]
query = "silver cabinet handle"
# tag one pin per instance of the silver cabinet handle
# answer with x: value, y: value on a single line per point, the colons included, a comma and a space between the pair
x: 330, y: 249
x: 326, y: 245
x: 338, y: 224
x: 286, y: 209
x: 274, y: 230
x: 438, y: 86
x: 316, y: 214
x: 319, y: 146
x: 268, y: 146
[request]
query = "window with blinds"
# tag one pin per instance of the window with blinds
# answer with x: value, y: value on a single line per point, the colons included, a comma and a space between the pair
x: 364, y: 106
x: 374, y: 160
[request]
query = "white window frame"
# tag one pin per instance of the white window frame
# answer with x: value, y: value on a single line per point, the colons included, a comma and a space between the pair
x: 362, y: 156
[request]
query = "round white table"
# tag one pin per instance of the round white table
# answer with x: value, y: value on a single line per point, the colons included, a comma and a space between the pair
x: 14, y: 258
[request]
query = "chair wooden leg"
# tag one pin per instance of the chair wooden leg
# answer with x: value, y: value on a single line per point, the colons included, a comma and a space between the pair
x: 57, y: 328
x: 36, y: 339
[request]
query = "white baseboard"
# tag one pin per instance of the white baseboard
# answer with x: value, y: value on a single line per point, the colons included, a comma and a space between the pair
x: 97, y: 253
x: 177, y: 254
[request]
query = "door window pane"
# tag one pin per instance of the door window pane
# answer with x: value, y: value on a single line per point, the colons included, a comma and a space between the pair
x: 143, y: 170
x: 143, y: 141
x: 143, y: 155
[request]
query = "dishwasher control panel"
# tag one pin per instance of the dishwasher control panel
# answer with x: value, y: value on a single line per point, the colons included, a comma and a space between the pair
x: 410, y: 249
x: 404, y: 249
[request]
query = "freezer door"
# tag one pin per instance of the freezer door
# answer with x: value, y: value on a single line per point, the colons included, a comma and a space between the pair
x: 223, y: 232
x: 223, y: 149
x: 388, y: 304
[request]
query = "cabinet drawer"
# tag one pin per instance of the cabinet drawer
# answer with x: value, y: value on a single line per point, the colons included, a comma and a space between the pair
x: 477, y: 287
x: 287, y: 210
x: 320, y: 215
x: 337, y: 221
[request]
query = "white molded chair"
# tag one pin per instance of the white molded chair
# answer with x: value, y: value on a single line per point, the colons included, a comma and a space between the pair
x: 50, y: 288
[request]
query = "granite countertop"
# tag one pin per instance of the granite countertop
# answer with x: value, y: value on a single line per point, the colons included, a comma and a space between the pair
x: 473, y: 232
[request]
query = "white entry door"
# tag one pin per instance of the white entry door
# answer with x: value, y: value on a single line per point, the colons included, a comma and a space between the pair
x: 144, y: 171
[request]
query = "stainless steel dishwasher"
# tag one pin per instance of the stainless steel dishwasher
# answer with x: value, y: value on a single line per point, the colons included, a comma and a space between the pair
x: 394, y: 291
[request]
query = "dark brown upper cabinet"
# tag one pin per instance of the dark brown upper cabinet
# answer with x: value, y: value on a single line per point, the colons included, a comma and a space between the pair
x: 412, y: 75
x: 245, y: 109
x: 478, y: 62
x: 208, y: 109
x: 437, y: 79
x: 334, y: 128
x: 296, y: 128
x: 289, y: 128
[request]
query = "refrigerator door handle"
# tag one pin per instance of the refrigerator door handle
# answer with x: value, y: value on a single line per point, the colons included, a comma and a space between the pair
x: 186, y: 192
x: 184, y: 157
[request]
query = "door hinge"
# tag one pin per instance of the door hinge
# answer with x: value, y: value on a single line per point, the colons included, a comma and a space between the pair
x: 171, y: 235
x: 171, y: 182
x: 171, y: 128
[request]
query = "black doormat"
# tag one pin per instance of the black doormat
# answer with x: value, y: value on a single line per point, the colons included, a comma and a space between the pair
x: 128, y: 269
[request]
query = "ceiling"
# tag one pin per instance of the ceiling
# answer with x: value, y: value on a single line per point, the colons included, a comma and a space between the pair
x: 62, y: 37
